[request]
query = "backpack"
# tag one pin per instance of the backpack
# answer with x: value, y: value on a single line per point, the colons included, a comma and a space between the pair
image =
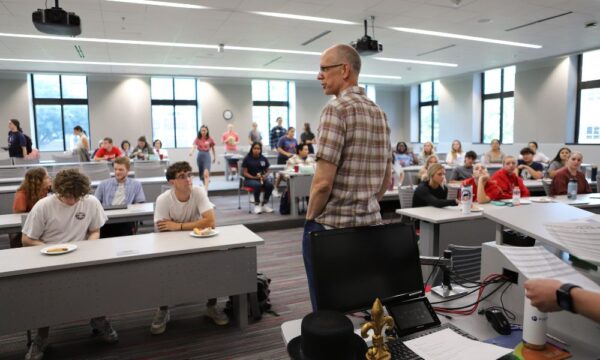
x: 28, y: 143
x: 262, y: 303
x: 284, y: 203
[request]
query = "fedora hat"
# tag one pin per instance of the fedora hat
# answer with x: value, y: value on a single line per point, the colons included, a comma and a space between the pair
x: 327, y: 335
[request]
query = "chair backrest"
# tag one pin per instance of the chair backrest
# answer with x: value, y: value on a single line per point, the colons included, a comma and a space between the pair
x: 144, y: 169
x: 52, y: 171
x: 546, y: 185
x: 95, y: 171
x: 7, y: 161
x: 13, y: 172
x: 466, y: 261
x: 405, y: 193
x: 66, y: 157
x: 19, y: 161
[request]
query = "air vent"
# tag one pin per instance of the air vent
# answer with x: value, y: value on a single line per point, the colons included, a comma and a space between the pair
x: 272, y: 61
x: 316, y: 37
x: 436, y: 50
x: 538, y: 21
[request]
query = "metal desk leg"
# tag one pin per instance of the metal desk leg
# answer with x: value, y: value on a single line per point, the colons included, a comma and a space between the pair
x: 499, y: 231
x: 240, y: 310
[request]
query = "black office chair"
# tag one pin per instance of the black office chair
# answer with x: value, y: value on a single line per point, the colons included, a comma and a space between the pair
x: 466, y: 264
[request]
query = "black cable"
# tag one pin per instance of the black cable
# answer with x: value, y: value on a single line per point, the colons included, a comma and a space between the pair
x: 435, y: 265
x: 475, y: 282
x: 509, y: 314
x: 484, y: 284
x: 478, y: 301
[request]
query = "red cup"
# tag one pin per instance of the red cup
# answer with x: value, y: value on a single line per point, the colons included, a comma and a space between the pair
x: 161, y: 156
x: 296, y: 168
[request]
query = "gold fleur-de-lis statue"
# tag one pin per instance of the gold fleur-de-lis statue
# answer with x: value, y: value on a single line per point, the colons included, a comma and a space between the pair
x: 379, y: 351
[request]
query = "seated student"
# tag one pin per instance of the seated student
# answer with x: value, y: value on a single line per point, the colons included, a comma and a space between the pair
x: 570, y: 171
x: 537, y: 155
x: 500, y: 185
x: 184, y: 207
x: 495, y: 155
x: 34, y: 187
x: 70, y: 215
x: 478, y: 182
x: 119, y: 190
x: 403, y: 157
x: 107, y: 151
x: 286, y: 146
x: 456, y: 156
x: 422, y: 174
x: 527, y: 168
x: 464, y: 171
x: 559, y: 161
x: 143, y: 150
x: 427, y: 151
x: 163, y: 154
x: 300, y: 159
x: 100, y: 143
x: 433, y: 192
x: 255, y: 170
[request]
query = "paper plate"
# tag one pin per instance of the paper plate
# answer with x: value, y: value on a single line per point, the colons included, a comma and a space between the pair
x: 212, y: 233
x: 58, y: 249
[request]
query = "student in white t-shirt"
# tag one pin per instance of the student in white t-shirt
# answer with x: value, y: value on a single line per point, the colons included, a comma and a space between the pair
x: 69, y: 215
x: 183, y: 207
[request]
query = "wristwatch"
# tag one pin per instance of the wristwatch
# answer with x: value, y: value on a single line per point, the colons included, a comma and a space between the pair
x: 563, y: 297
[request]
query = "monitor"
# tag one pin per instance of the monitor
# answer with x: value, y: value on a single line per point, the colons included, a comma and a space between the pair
x: 354, y: 266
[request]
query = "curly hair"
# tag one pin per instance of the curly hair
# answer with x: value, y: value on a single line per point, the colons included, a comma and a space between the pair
x: 33, y: 183
x: 71, y: 183
x: 180, y: 166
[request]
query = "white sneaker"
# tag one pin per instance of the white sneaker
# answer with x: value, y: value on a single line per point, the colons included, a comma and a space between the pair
x: 258, y: 209
x: 276, y: 193
x: 159, y: 323
x: 217, y: 315
x: 267, y: 209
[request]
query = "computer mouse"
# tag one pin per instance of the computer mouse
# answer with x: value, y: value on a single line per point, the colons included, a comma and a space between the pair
x: 498, y: 321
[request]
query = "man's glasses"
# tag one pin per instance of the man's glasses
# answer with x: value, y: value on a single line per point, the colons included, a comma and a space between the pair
x: 327, y: 67
x: 184, y: 176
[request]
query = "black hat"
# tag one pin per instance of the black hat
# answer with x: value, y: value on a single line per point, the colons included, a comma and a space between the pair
x: 327, y: 335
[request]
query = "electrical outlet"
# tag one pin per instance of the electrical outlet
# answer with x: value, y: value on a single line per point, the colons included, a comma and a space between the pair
x: 512, y: 276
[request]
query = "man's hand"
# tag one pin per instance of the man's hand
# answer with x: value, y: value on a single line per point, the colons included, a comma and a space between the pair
x: 542, y: 293
x: 168, y: 225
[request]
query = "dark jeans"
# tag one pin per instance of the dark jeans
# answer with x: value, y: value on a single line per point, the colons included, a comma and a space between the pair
x: 257, y: 187
x: 309, y: 226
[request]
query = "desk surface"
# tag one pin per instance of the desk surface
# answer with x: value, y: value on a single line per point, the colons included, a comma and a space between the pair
x: 144, y: 180
x: 29, y: 260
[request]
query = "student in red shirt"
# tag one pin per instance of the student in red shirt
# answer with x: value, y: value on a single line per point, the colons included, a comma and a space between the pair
x: 478, y: 182
x: 108, y: 151
x: 500, y: 186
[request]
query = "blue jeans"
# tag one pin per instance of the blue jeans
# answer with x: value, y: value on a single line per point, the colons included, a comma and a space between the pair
x: 310, y: 226
x: 257, y: 186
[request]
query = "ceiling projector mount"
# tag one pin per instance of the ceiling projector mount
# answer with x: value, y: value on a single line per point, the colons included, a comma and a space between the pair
x: 366, y: 45
x: 56, y: 21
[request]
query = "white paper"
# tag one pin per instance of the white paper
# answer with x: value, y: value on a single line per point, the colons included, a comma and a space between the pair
x: 537, y: 262
x: 581, y: 238
x: 448, y: 345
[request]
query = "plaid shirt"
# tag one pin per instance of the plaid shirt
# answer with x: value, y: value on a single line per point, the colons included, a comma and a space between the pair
x: 355, y: 136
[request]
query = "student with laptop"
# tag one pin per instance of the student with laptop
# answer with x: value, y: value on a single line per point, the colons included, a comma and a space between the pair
x: 118, y: 192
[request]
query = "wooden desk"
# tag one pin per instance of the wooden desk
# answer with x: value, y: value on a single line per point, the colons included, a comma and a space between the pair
x: 124, y: 274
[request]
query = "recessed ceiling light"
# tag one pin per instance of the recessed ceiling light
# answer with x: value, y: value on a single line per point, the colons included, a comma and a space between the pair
x: 163, y: 3
x: 435, y: 63
x: 174, y: 66
x: 465, y: 37
x: 302, y: 17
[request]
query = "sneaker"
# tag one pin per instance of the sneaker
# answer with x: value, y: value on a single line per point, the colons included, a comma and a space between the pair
x: 36, y: 349
x: 276, y: 193
x: 217, y: 315
x: 258, y: 209
x: 159, y: 323
x: 267, y: 209
x: 102, y: 329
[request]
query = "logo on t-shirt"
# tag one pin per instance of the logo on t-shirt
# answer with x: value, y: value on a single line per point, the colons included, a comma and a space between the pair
x: 80, y: 216
x: 263, y: 164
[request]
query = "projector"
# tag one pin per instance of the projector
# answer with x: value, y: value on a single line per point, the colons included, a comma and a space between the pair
x: 366, y: 45
x: 56, y: 21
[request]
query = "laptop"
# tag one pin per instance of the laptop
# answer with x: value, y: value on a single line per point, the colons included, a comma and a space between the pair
x: 354, y: 266
x: 115, y: 207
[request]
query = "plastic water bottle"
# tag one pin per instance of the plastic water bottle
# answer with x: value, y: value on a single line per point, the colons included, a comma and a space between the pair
x: 466, y: 198
x: 516, y: 199
x: 572, y: 189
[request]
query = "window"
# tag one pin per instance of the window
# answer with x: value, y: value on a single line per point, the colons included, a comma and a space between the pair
x: 498, y: 108
x: 59, y: 104
x: 370, y: 91
x: 587, y: 126
x: 270, y: 100
x: 429, y: 119
x: 175, y: 115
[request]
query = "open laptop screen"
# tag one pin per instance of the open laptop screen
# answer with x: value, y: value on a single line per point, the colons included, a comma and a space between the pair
x: 354, y: 266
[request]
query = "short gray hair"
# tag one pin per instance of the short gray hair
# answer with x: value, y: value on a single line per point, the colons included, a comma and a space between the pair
x: 348, y: 53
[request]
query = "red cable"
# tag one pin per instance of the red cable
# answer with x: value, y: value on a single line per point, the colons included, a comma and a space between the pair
x: 485, y: 282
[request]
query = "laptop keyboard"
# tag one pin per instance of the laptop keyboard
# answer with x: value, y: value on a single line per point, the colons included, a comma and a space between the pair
x: 400, y: 351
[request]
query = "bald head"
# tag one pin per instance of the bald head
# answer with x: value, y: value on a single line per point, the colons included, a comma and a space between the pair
x: 346, y: 54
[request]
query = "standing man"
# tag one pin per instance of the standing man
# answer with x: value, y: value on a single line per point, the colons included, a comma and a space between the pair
x: 354, y: 156
x: 67, y: 216
x: 183, y: 207
x: 120, y: 190
x: 107, y: 151
x: 276, y: 133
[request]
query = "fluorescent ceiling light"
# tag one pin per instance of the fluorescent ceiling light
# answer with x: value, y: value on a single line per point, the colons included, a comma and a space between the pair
x: 173, y: 66
x: 302, y: 17
x: 465, y: 37
x: 162, y: 3
x: 435, y: 63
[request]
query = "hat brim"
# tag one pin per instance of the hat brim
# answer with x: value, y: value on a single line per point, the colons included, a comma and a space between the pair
x: 294, y: 348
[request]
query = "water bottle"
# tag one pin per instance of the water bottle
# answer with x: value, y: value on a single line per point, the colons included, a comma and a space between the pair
x: 516, y: 198
x: 534, y: 326
x: 466, y: 198
x: 572, y: 189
